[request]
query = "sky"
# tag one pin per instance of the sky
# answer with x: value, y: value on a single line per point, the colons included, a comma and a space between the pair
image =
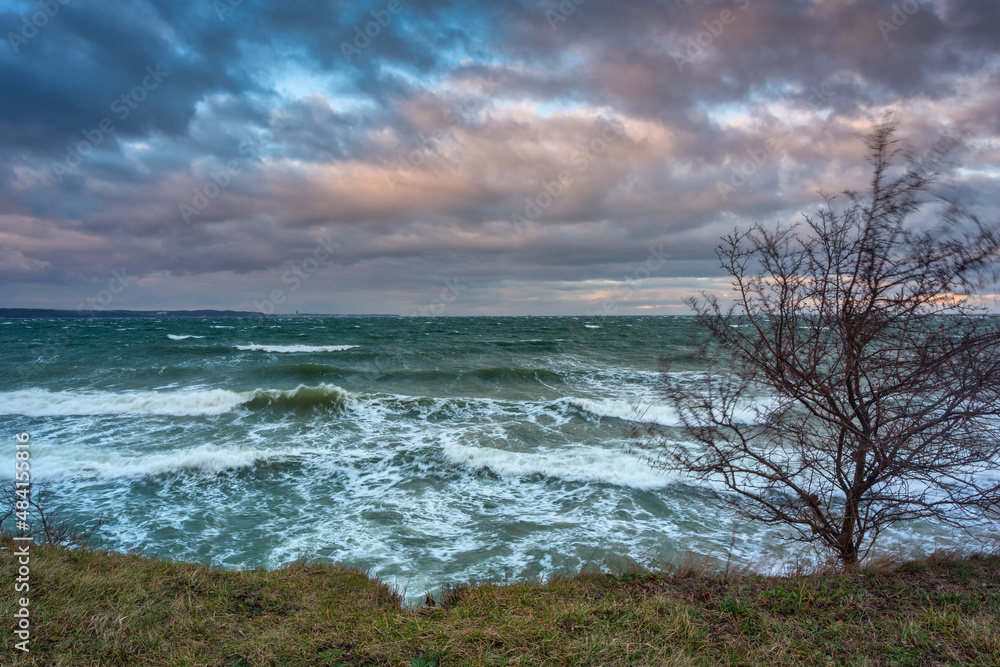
x: 428, y: 158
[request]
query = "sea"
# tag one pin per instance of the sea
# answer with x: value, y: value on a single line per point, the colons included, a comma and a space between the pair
x: 423, y: 450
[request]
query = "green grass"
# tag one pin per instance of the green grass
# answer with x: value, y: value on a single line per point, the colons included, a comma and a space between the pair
x: 90, y: 607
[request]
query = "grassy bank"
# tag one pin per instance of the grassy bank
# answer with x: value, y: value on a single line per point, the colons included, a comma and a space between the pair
x: 95, y: 608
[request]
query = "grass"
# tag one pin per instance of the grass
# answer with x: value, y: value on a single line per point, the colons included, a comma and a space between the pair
x: 91, y: 607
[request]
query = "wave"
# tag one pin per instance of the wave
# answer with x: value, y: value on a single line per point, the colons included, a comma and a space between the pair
x: 302, y: 397
x: 507, y: 373
x: 176, y: 337
x: 205, y: 459
x: 41, y: 403
x: 536, y: 344
x: 190, y: 403
x: 421, y: 375
x: 294, y: 348
x: 329, y: 397
x: 445, y: 408
x: 576, y: 464
x: 632, y: 411
x: 306, y: 370
x: 592, y: 326
x: 662, y: 415
x: 500, y: 373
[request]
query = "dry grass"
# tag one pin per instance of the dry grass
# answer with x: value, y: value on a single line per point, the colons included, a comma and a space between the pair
x: 95, y: 608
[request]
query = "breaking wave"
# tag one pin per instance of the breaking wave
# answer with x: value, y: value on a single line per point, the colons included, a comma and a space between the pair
x: 190, y: 403
x: 577, y: 464
x: 212, y: 402
x: 203, y: 459
x: 279, y: 349
x: 41, y: 403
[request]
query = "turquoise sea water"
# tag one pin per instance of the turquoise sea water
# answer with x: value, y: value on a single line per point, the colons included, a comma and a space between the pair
x: 427, y: 450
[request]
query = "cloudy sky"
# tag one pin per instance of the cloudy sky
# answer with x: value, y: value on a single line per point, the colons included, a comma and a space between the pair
x: 435, y: 157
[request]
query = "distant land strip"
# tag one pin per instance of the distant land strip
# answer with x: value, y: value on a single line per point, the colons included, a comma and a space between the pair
x: 48, y: 313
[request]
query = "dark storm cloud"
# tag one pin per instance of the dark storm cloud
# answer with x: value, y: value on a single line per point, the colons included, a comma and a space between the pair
x: 539, y: 150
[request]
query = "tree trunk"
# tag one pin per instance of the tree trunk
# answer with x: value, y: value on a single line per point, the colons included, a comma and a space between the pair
x: 848, y: 551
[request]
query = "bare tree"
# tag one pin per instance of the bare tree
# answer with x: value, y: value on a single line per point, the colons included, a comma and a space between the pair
x: 44, y: 527
x: 854, y: 382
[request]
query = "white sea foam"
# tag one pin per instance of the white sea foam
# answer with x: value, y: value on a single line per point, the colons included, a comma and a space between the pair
x: 206, y: 459
x: 41, y: 403
x: 209, y: 402
x: 188, y: 403
x: 633, y: 411
x: 294, y: 348
x: 592, y: 326
x: 578, y: 464
x: 177, y: 337
x: 649, y: 413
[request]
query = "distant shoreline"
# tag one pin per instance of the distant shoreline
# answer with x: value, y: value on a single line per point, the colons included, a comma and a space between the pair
x: 55, y: 313
x: 49, y: 313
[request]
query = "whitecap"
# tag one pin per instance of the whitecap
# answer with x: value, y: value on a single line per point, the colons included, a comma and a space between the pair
x: 578, y: 464
x: 206, y: 459
x: 41, y: 403
x: 190, y: 403
x: 626, y: 411
x: 294, y: 348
